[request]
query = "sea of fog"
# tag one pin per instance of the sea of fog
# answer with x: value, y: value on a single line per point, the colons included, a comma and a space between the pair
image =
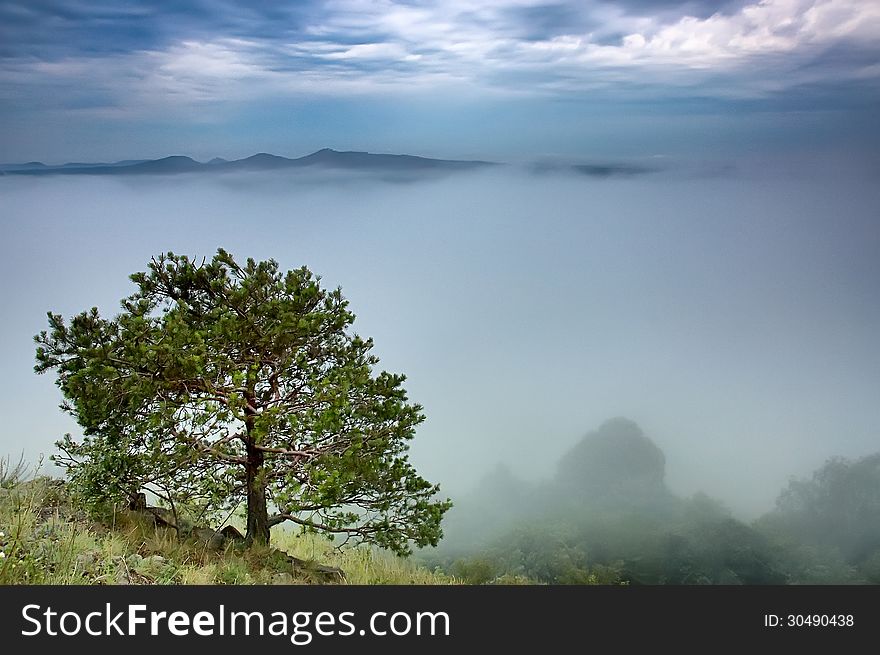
x: 731, y: 311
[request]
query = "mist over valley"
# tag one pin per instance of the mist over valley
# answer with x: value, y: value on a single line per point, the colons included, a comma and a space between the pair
x: 729, y: 316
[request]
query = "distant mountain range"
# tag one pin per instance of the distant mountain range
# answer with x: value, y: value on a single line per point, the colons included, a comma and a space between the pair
x: 395, y: 166
x: 325, y: 158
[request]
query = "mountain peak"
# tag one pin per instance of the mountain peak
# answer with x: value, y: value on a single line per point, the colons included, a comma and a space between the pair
x: 324, y: 152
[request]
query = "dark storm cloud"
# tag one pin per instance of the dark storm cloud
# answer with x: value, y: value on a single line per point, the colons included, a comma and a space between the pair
x: 51, y: 29
x: 546, y: 21
x: 677, y: 8
x: 842, y: 56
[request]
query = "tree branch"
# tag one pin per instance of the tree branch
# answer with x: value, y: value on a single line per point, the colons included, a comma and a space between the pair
x: 281, y: 518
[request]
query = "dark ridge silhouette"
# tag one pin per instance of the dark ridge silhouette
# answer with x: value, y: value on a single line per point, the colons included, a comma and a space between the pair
x: 594, y: 170
x: 350, y: 160
x: 260, y: 162
x: 173, y: 164
x: 29, y: 166
x: 166, y: 165
x: 80, y: 164
x: 605, y: 170
x: 327, y: 158
x: 354, y: 159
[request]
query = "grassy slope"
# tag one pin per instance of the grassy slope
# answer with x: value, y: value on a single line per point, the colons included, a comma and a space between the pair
x: 43, y: 540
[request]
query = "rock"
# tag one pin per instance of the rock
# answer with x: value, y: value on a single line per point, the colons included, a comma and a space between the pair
x: 215, y: 539
x: 229, y: 532
x: 231, y: 535
x: 201, y: 534
x: 318, y: 572
x: 301, y: 569
x: 282, y: 578
x: 227, y: 535
x: 133, y: 561
x: 161, y: 517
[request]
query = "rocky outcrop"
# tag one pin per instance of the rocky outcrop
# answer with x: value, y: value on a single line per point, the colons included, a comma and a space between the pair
x: 314, y: 571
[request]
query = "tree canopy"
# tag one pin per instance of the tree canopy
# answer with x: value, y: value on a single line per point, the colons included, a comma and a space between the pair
x: 222, y: 383
x: 838, y: 506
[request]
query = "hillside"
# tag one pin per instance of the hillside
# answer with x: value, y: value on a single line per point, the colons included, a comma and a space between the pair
x: 45, y: 539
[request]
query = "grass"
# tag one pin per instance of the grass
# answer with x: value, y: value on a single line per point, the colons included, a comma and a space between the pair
x: 45, y: 539
x: 361, y: 565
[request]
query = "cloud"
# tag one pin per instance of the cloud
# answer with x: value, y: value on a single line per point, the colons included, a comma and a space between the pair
x: 373, y: 51
x: 142, y: 55
x: 567, y: 47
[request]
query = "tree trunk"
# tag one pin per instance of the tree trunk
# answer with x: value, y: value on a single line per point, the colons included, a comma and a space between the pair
x: 257, y: 513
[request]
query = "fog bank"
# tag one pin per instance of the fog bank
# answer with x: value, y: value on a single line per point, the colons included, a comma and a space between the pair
x: 731, y: 314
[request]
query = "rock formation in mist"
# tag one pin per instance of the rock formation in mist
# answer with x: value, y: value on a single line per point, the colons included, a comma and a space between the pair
x: 616, y: 463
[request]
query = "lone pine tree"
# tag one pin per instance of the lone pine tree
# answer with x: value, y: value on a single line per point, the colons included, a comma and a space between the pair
x: 221, y: 383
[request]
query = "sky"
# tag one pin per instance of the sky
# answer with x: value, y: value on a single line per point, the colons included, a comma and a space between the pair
x: 727, y: 302
x: 508, y: 79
